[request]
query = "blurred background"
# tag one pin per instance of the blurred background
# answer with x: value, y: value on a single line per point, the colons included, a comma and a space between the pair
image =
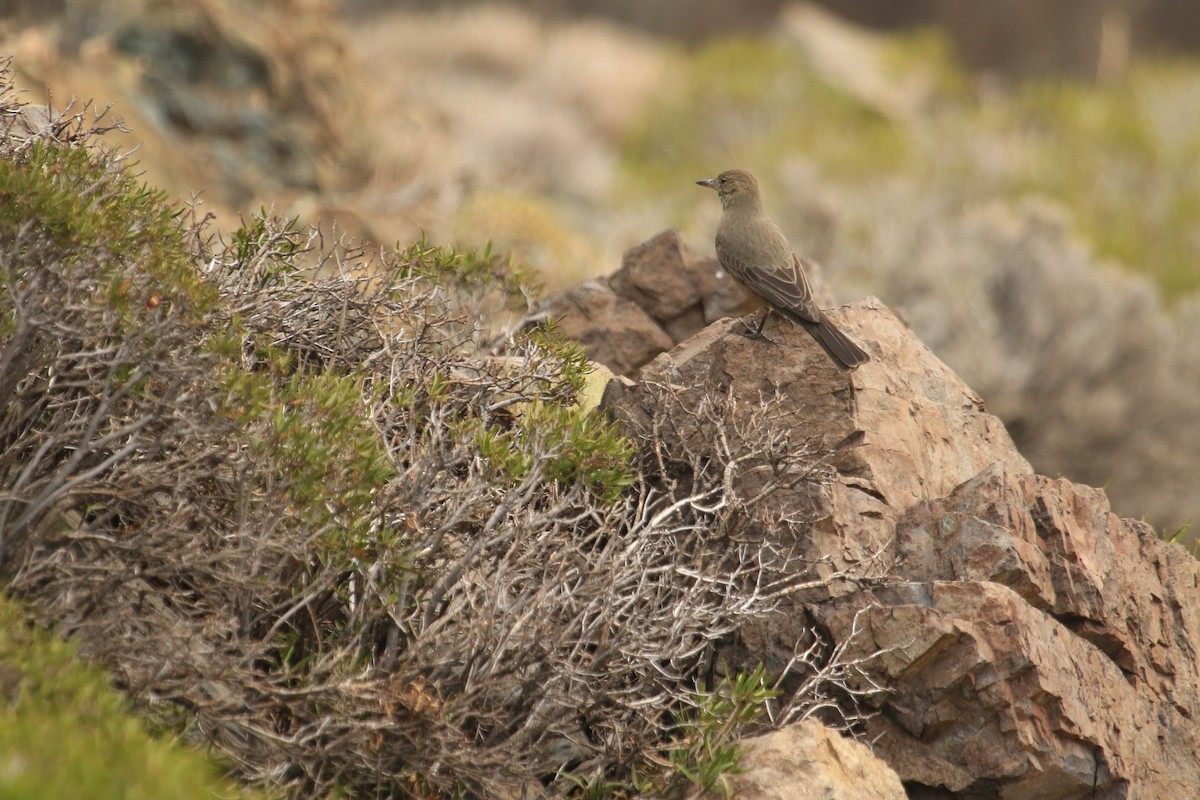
x: 1019, y: 180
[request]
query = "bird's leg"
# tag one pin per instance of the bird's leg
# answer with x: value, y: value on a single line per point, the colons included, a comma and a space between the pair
x: 753, y: 332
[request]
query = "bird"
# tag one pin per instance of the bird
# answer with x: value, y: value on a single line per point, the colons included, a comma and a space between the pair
x: 752, y: 249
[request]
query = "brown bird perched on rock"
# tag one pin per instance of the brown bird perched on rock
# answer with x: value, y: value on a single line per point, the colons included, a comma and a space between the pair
x: 753, y: 250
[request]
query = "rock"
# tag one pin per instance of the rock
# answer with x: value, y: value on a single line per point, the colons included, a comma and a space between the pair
x: 808, y: 761
x: 681, y: 293
x: 654, y: 275
x: 989, y: 691
x: 612, y: 330
x: 1033, y: 644
x: 660, y: 296
x: 1045, y: 645
x: 924, y: 432
x: 594, y: 385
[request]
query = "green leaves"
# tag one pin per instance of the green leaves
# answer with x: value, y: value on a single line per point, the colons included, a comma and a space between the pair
x: 268, y: 246
x: 565, y: 444
x: 471, y: 271
x: 81, y: 210
x: 705, y: 750
x: 67, y: 732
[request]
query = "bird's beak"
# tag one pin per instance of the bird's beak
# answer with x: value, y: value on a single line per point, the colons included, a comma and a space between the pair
x: 709, y: 182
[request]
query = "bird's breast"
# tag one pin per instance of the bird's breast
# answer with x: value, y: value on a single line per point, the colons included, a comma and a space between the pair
x: 752, y: 240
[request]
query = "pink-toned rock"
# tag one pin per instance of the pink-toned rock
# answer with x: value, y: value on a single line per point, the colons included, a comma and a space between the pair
x: 658, y: 276
x: 924, y: 431
x: 1081, y: 626
x: 989, y: 692
x: 681, y: 292
x: 1108, y: 580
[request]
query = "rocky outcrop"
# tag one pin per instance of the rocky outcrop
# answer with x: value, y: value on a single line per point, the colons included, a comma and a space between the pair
x: 923, y: 431
x: 1033, y: 644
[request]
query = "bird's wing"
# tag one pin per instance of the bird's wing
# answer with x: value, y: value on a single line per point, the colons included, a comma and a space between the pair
x: 783, y: 285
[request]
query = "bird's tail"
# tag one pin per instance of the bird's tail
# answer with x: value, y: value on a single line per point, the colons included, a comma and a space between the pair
x: 845, y: 353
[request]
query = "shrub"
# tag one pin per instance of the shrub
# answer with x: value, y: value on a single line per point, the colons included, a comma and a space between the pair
x: 329, y: 511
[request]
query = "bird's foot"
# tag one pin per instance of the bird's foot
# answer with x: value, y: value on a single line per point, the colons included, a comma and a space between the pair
x: 756, y: 331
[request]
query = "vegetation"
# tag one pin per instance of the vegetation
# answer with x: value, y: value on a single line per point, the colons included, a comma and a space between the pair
x: 703, y: 752
x: 337, y: 514
x: 750, y: 101
x: 66, y: 732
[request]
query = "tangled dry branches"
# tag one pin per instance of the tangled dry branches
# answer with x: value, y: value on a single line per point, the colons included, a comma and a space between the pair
x: 284, y: 493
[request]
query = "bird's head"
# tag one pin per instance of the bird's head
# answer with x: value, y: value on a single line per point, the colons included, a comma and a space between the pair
x: 736, y: 188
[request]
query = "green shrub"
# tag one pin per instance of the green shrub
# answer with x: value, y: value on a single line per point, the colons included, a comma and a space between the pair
x: 66, y: 732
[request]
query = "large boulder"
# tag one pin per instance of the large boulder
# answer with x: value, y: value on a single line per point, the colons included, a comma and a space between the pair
x: 919, y: 431
x: 1032, y: 644
x: 1038, y: 642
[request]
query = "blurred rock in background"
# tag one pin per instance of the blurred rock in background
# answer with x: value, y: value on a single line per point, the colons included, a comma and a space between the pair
x: 248, y: 103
